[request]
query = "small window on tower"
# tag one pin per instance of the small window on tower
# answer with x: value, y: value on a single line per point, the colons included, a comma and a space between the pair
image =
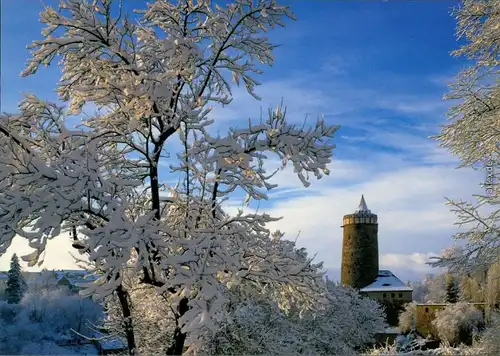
x: 426, y: 310
x: 385, y: 295
x: 393, y: 295
x: 400, y: 295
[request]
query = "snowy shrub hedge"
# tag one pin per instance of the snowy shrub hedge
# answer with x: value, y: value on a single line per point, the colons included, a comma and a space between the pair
x: 458, y: 322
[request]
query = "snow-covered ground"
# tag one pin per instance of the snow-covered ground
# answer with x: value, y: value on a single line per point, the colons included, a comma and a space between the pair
x: 442, y: 351
x: 49, y: 348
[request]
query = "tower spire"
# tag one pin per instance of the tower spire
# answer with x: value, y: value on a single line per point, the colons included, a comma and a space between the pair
x: 362, y: 208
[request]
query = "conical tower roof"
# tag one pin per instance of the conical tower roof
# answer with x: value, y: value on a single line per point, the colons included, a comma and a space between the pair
x: 362, y: 207
x: 361, y: 211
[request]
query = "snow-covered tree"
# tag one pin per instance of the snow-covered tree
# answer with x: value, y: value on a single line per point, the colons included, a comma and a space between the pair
x: 452, y: 292
x: 44, y: 280
x: 436, y: 288
x: 156, y: 78
x: 16, y: 285
x: 492, y: 292
x: 470, y: 290
x: 408, y: 318
x: 473, y: 134
x: 420, y: 290
x: 458, y: 322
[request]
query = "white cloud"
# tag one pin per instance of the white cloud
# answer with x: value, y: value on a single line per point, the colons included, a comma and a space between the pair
x: 56, y: 256
x: 414, y: 261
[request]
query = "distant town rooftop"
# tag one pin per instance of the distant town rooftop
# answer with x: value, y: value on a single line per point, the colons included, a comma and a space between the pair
x: 386, y: 281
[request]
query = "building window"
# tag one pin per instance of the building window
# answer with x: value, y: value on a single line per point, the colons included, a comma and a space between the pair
x: 385, y: 295
x: 426, y: 310
x: 393, y: 295
x: 400, y: 295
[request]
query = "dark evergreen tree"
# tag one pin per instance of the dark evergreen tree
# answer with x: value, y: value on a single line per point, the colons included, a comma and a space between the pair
x: 16, y: 285
x: 452, y: 292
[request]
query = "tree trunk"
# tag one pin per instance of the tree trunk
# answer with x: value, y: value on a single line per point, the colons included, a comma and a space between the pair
x: 177, y: 347
x: 155, y: 190
x: 127, y: 314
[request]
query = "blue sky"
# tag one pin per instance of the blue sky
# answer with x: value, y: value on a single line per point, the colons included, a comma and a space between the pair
x: 378, y: 69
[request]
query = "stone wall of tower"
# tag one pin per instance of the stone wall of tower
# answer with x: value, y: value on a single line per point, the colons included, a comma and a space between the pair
x: 359, y: 250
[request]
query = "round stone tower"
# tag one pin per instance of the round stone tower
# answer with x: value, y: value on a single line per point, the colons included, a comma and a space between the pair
x: 360, y: 247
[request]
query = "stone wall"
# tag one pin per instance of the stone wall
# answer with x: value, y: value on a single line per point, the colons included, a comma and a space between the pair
x: 359, y: 254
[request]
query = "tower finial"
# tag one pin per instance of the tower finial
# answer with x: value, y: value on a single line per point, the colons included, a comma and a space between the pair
x: 362, y: 208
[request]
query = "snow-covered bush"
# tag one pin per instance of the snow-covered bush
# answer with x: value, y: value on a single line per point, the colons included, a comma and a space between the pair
x: 256, y: 328
x: 345, y: 324
x: 13, y: 337
x: 45, y: 317
x: 61, y: 312
x: 351, y: 320
x: 408, y: 318
x: 390, y: 350
x: 458, y: 322
x: 8, y: 311
x: 490, y: 340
